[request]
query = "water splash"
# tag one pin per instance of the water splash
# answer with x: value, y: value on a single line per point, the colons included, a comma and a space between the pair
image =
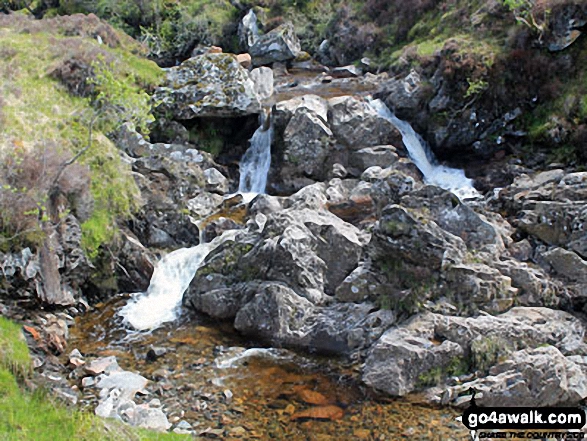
x: 172, y: 276
x: 451, y: 179
x: 255, y: 163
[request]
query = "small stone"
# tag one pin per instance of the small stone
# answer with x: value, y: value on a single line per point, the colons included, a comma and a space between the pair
x: 155, y: 402
x: 244, y: 60
x: 326, y: 79
x: 228, y: 395
x: 155, y: 353
x: 88, y: 382
x: 100, y: 365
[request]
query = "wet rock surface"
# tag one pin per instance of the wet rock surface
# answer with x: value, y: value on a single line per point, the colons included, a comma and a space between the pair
x: 208, y: 384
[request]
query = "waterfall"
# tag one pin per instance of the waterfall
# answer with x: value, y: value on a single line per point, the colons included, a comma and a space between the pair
x: 451, y: 179
x: 255, y: 163
x: 172, y: 276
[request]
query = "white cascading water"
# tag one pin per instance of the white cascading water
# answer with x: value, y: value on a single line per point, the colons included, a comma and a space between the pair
x: 172, y: 276
x: 451, y: 179
x: 255, y: 163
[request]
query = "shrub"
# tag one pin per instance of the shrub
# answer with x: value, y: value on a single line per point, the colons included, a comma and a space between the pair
x: 27, y: 177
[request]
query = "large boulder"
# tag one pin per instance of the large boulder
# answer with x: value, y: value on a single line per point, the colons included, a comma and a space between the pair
x: 357, y: 125
x: 278, y: 315
x: 403, y: 357
x: 307, y: 141
x: 280, y: 44
x: 430, y: 348
x: 298, y: 247
x: 208, y: 85
x: 531, y: 377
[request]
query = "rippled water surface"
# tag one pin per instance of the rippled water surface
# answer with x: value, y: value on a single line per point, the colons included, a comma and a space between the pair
x: 228, y: 389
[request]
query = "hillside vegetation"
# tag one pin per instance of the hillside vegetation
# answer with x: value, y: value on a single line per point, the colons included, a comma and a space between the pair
x: 65, y: 84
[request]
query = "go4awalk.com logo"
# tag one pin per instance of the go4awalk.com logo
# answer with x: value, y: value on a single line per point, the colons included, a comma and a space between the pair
x: 540, y: 423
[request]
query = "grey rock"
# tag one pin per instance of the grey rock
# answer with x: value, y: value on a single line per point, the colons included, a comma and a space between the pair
x: 307, y: 141
x: 128, y: 383
x: 406, y: 95
x: 263, y: 79
x: 150, y: 418
x: 298, y: 247
x: 403, y: 356
x: 357, y: 125
x: 101, y: 365
x: 284, y: 110
x: 208, y: 85
x: 280, y: 44
x: 278, y: 315
x: 216, y: 182
x: 568, y: 264
x: 349, y: 71
x: 382, y: 156
x: 531, y: 377
x: 248, y: 31
x: 204, y: 204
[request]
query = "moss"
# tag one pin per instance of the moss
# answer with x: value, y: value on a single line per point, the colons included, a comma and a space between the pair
x: 487, y: 351
x: 456, y: 367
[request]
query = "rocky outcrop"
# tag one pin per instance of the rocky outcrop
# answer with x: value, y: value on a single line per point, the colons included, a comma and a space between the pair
x: 357, y: 125
x: 56, y: 273
x: 432, y: 347
x: 531, y: 377
x: 208, y: 85
x: 280, y: 44
x: 317, y: 134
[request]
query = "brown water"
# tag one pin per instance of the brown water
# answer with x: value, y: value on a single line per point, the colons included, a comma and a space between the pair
x: 274, y: 395
x: 309, y: 83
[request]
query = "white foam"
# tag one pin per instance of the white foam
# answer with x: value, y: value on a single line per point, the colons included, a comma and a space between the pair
x: 451, y: 179
x: 173, y: 274
x: 255, y: 163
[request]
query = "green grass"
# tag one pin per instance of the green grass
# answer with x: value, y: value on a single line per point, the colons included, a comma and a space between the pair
x: 26, y: 416
x: 38, y: 113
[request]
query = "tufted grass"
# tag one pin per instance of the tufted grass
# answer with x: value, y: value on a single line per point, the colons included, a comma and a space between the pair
x: 26, y: 416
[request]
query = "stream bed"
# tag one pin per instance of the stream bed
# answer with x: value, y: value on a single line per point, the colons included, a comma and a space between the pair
x: 229, y: 388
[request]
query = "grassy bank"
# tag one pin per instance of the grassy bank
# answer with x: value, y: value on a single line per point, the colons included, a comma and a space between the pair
x: 35, y: 417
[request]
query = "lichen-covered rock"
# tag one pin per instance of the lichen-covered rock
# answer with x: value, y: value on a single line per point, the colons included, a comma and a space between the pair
x: 531, y: 377
x: 435, y: 347
x: 280, y: 44
x: 307, y: 142
x: 208, y: 85
x: 357, y: 125
x: 404, y: 356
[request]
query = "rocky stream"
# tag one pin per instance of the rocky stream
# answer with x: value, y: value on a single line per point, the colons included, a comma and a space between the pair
x: 324, y: 277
